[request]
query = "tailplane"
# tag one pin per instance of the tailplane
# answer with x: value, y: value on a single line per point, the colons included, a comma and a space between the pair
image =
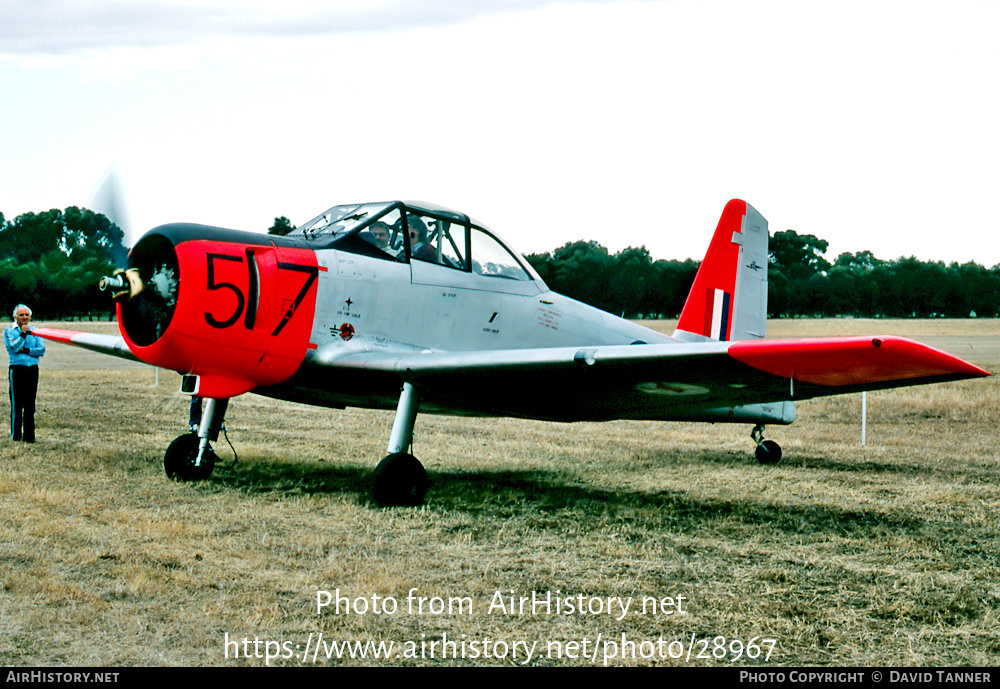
x: 728, y: 300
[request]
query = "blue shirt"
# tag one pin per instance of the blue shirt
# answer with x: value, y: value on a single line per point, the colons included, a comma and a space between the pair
x: 15, y: 344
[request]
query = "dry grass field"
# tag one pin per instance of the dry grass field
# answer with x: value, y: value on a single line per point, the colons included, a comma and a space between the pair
x: 887, y: 555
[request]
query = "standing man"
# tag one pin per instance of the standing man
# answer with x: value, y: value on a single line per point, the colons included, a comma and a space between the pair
x: 24, y: 349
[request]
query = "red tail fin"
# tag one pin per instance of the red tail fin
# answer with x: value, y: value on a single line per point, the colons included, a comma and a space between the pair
x: 728, y: 300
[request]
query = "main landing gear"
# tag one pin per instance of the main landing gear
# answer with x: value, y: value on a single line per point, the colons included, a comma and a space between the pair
x: 400, y: 479
x: 768, y: 451
x: 190, y: 457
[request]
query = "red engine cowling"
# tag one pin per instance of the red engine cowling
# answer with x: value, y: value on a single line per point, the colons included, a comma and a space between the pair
x: 234, y: 308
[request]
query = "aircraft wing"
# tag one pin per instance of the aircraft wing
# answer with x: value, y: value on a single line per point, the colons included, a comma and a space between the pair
x: 674, y: 381
x: 105, y: 344
x: 656, y: 381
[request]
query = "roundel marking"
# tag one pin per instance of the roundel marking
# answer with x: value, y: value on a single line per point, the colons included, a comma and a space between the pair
x: 671, y: 389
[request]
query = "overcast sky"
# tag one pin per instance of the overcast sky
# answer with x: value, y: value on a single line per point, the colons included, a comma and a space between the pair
x: 874, y: 125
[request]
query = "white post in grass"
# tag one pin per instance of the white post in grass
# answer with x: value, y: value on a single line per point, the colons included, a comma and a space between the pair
x: 864, y: 416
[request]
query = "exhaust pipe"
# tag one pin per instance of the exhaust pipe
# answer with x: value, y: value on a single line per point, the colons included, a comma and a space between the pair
x: 124, y: 284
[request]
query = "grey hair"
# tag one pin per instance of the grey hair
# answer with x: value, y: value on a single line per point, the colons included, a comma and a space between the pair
x: 17, y: 308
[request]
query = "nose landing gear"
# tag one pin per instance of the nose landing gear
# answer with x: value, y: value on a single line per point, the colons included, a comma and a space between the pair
x: 181, y: 456
x: 190, y: 457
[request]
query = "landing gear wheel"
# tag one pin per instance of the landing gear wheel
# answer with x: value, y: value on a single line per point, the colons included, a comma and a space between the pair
x: 399, y: 480
x: 179, y: 459
x: 768, y: 452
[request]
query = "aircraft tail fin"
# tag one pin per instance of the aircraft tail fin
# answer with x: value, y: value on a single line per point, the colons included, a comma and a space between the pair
x: 728, y: 300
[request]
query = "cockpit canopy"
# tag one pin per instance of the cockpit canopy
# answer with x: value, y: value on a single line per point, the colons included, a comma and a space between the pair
x: 397, y: 231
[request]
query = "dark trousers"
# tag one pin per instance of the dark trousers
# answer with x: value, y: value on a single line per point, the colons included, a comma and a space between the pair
x: 23, y: 386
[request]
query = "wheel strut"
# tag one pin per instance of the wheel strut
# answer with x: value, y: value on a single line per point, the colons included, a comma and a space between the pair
x: 400, y: 479
x: 190, y: 457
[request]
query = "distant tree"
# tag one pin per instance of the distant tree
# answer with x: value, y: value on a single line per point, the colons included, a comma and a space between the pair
x: 281, y: 226
x: 671, y: 282
x: 77, y: 232
x: 980, y: 289
x: 798, y: 257
x: 839, y: 292
x: 31, y: 235
x: 630, y: 279
x: 921, y: 288
x: 90, y: 234
x: 851, y: 289
x: 53, y: 260
x: 580, y: 269
x: 780, y: 294
x: 19, y: 281
x: 860, y: 262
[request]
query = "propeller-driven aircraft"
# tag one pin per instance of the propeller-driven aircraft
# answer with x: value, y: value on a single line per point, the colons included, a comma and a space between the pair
x: 417, y: 308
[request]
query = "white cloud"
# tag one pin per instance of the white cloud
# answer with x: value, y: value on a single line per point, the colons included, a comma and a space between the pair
x: 58, y: 26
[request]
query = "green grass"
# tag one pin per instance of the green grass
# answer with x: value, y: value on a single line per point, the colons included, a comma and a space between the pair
x: 879, y: 556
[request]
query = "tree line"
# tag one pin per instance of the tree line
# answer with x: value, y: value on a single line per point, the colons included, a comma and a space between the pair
x: 53, y: 261
x: 801, y: 282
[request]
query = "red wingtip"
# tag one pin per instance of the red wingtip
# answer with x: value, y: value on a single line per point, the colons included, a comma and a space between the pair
x: 55, y: 334
x: 852, y: 361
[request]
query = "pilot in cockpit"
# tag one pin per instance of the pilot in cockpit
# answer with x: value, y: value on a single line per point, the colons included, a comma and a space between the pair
x: 419, y: 248
x: 378, y: 233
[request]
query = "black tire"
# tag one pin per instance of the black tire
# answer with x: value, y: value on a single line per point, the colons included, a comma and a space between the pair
x: 178, y: 461
x: 399, y: 480
x: 768, y: 452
